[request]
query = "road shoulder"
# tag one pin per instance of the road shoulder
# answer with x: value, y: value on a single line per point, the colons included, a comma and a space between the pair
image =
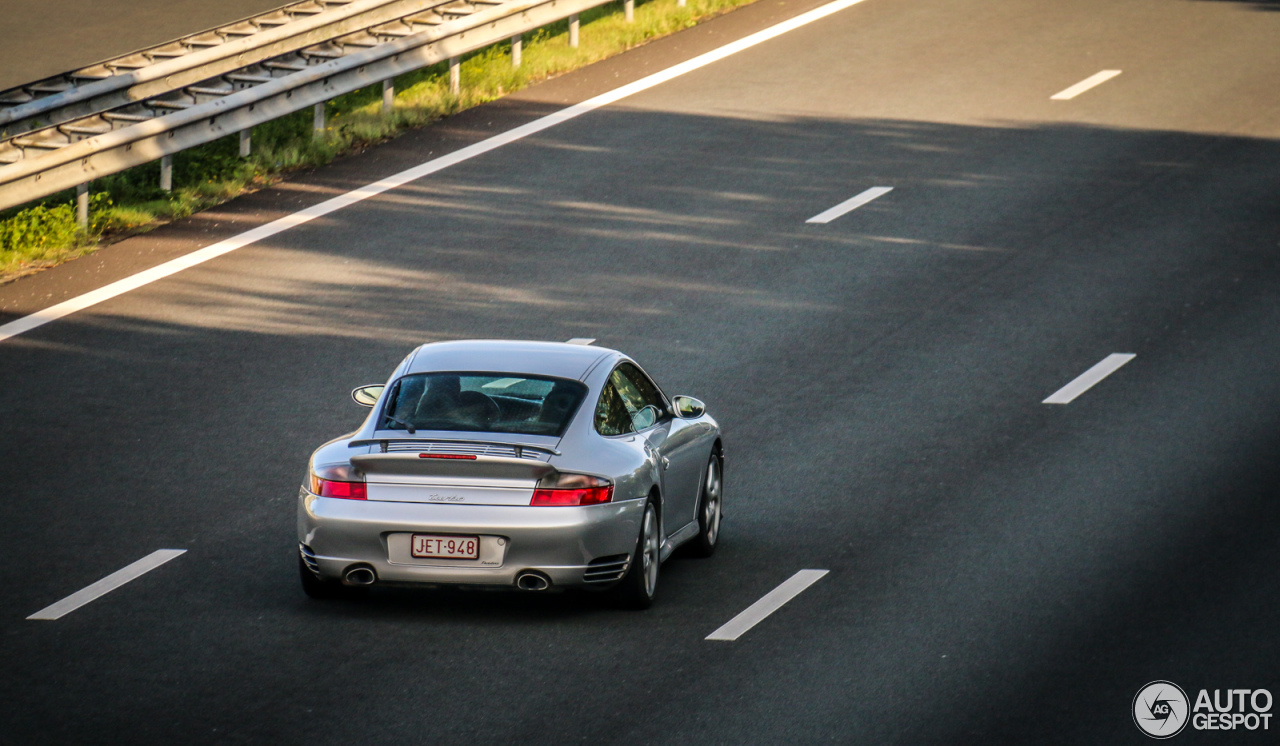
x: 38, y: 291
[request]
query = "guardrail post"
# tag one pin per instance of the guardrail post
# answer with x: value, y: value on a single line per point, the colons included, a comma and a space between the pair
x: 82, y: 205
x: 455, y: 76
x: 166, y: 173
x: 388, y: 95
x: 629, y: 10
x: 517, y: 42
x: 573, y: 30
x: 246, y: 142
x: 319, y: 118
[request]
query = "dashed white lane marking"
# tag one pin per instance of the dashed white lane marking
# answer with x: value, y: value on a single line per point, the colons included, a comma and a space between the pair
x: 107, y: 584
x: 850, y: 205
x: 582, y: 341
x: 67, y: 307
x: 772, y: 601
x: 1090, y: 378
x: 1084, y: 85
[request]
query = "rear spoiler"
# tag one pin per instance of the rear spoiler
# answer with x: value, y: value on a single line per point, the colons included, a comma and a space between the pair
x: 473, y: 467
x: 469, y: 441
x: 510, y: 463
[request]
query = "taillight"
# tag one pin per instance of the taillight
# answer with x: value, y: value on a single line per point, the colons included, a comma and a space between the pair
x: 344, y: 490
x: 589, y: 496
x: 339, y: 481
x: 572, y: 489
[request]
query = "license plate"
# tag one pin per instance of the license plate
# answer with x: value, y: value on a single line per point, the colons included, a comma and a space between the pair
x: 446, y: 547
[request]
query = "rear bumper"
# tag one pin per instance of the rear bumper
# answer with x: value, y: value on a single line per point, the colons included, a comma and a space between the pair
x: 560, y: 543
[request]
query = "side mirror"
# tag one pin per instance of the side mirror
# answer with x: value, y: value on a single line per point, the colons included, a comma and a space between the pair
x: 644, y: 419
x: 687, y: 407
x: 367, y: 396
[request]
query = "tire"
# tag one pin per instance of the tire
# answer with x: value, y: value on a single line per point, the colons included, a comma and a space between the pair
x: 637, y: 588
x: 317, y: 587
x: 710, y: 510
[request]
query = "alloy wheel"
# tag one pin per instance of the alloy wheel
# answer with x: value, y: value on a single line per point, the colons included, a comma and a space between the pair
x: 649, y: 553
x: 711, y: 502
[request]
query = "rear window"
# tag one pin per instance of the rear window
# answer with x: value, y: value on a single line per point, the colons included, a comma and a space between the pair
x: 483, y: 402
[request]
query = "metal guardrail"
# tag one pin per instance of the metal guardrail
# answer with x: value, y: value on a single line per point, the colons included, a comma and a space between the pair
x: 159, y: 70
x: 179, y: 102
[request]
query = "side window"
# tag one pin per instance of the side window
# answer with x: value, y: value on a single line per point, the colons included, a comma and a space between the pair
x: 612, y: 416
x: 639, y: 395
x: 648, y: 391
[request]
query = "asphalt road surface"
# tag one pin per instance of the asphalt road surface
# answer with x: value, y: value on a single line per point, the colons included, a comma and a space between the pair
x: 1001, y: 570
x: 42, y: 39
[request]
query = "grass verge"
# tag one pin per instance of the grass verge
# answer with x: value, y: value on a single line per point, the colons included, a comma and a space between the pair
x: 45, y: 233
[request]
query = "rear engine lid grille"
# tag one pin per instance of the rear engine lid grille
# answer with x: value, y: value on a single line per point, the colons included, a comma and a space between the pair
x: 500, y: 450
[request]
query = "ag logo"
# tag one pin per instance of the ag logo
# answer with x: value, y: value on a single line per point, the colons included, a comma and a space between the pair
x: 1160, y: 709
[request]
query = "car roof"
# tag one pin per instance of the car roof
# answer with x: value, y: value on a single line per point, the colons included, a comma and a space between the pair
x: 555, y: 359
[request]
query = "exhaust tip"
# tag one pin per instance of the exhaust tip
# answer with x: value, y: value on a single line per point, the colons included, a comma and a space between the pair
x: 359, y: 576
x: 532, y: 581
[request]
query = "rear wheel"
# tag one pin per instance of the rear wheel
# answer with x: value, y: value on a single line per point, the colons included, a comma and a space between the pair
x: 710, y: 505
x: 637, y: 588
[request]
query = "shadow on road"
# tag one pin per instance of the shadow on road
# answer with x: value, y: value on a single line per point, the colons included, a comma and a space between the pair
x: 1001, y: 570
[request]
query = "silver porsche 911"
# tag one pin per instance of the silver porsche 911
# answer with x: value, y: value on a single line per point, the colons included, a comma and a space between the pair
x: 530, y: 465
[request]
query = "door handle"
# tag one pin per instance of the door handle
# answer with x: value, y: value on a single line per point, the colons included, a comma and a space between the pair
x: 665, y: 462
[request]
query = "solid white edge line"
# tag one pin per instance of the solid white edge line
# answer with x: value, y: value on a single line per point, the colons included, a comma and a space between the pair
x: 107, y: 584
x: 849, y: 205
x: 65, y: 308
x: 771, y: 602
x: 1090, y: 378
x: 1092, y: 81
x: 586, y: 341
